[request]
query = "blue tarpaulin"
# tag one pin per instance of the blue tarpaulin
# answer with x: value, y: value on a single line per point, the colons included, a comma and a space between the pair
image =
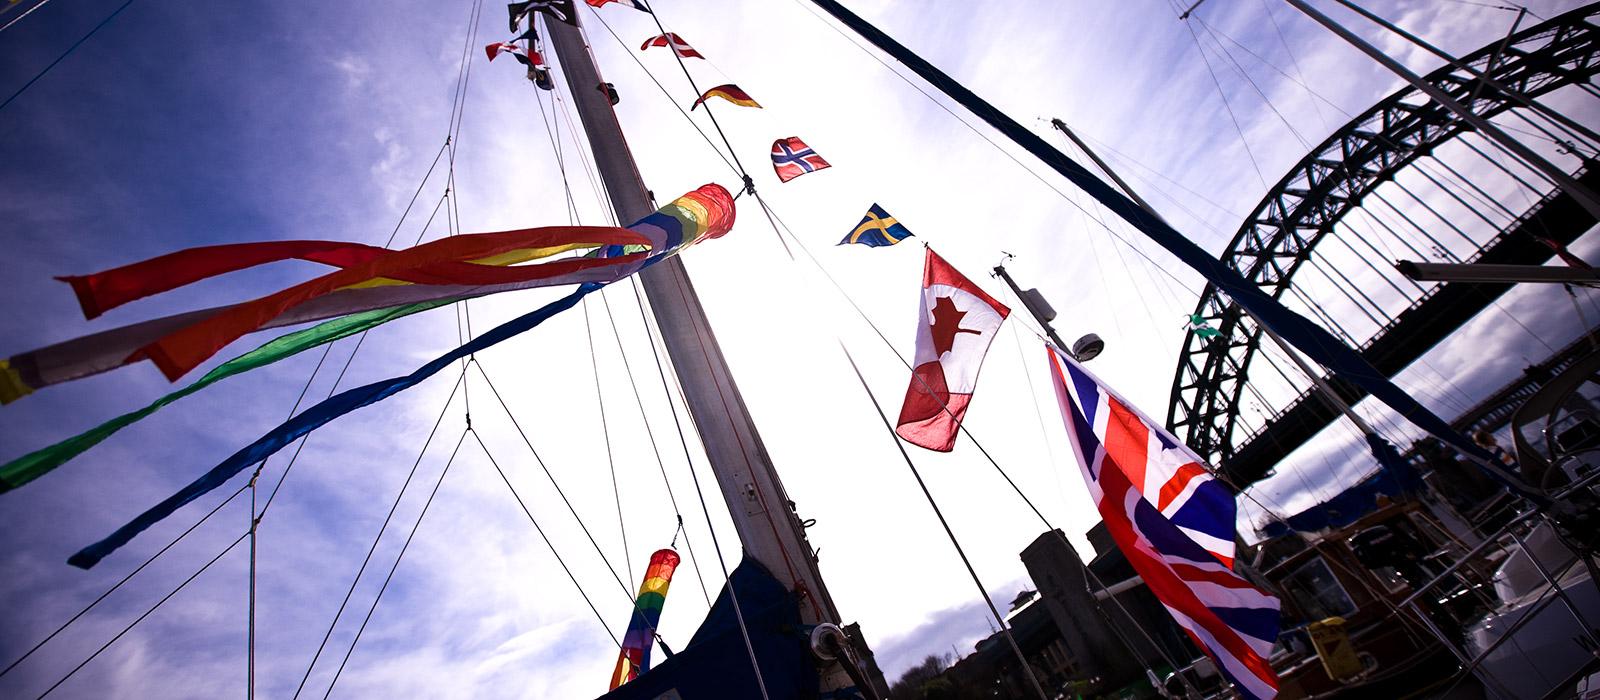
x: 1395, y: 476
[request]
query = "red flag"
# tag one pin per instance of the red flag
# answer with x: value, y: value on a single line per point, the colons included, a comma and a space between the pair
x: 958, y: 322
x: 1173, y: 522
x: 792, y: 158
x: 676, y: 42
x: 635, y: 4
x: 523, y: 56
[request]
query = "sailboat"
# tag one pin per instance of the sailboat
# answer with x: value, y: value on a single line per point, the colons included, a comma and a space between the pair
x: 288, y: 85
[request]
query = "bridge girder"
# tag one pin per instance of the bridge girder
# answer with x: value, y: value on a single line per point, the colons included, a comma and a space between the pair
x: 1329, y: 183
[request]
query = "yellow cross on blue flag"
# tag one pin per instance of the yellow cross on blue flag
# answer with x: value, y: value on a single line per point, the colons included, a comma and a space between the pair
x: 876, y: 229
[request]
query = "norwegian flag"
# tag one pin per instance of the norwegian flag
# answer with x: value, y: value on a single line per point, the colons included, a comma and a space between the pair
x: 1173, y: 522
x: 679, y: 46
x: 792, y: 158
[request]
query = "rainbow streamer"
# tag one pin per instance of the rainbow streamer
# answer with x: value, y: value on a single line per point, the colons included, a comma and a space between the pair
x: 634, y: 658
x: 701, y: 215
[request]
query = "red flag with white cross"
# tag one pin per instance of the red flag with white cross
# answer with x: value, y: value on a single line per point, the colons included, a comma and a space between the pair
x: 958, y: 322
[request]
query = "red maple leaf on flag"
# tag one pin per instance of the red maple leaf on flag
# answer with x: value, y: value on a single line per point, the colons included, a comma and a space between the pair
x: 946, y: 324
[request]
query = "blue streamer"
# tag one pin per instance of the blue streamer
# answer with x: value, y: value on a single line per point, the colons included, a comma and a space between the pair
x: 313, y: 418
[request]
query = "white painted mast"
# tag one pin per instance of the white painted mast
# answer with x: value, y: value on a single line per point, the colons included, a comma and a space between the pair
x: 768, y: 527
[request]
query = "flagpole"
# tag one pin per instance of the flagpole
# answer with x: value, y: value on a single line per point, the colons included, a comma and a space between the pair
x: 1322, y: 387
x: 1090, y: 576
x: 982, y: 592
x: 769, y: 529
x: 1315, y: 340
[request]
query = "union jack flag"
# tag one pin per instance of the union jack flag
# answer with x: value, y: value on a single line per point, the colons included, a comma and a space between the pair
x: 1173, y: 522
x: 792, y: 158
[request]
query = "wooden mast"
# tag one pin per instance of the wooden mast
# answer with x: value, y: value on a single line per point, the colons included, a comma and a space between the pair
x: 763, y: 515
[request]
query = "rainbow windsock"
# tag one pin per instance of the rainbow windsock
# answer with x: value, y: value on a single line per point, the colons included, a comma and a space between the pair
x: 701, y: 215
x: 634, y: 657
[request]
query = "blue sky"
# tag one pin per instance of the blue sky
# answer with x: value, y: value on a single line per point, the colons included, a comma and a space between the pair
x: 186, y: 123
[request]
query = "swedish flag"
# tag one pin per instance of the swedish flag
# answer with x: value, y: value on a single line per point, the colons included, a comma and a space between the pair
x: 877, y: 228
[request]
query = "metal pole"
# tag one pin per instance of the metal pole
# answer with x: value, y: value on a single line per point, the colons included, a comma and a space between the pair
x: 760, y: 507
x: 1323, y: 388
x: 1027, y: 668
x: 1062, y: 126
x: 1037, y: 315
x: 1587, y: 331
x: 1516, y: 95
x: 1316, y: 377
x: 1573, y: 188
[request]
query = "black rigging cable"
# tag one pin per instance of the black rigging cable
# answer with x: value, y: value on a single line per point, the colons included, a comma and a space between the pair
x: 605, y: 432
x: 146, y: 614
x: 68, y: 52
x: 381, y: 529
x: 540, y: 461
x: 544, y: 537
x: 397, y: 558
x: 125, y: 579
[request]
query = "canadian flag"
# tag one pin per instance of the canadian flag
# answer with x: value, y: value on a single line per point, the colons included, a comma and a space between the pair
x: 958, y: 322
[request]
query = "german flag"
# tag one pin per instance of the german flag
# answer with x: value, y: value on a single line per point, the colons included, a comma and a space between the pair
x: 729, y: 92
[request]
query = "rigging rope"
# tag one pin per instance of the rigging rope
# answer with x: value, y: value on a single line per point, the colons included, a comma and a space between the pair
x: 141, y: 618
x: 1200, y: 49
x: 118, y: 585
x: 1239, y: 70
x: 643, y: 416
x: 381, y: 529
x: 605, y: 431
x: 381, y: 589
x: 540, y: 460
x: 982, y: 591
x: 546, y: 539
x: 68, y: 52
x: 626, y: 49
x: 1295, y: 64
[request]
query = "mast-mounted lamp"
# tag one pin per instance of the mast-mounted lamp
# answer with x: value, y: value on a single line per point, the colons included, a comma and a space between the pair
x: 1087, y: 347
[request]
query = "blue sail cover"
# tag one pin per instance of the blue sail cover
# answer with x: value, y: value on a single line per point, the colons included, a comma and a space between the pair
x: 1395, y: 477
x: 716, y: 663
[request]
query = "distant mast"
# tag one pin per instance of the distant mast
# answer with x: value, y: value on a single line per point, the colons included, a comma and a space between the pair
x: 769, y: 529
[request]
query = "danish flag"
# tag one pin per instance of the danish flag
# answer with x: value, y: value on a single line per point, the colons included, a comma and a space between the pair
x: 679, y: 46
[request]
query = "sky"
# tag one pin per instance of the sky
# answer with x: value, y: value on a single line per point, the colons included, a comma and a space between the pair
x: 183, y: 123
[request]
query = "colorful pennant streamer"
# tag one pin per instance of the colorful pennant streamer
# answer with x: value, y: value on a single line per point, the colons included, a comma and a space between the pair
x: 729, y: 92
x: 26, y: 372
x: 704, y: 214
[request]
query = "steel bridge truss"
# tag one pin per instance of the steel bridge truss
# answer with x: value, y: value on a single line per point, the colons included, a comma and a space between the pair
x: 1302, y: 209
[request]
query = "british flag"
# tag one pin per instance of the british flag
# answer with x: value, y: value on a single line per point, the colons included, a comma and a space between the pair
x: 1173, y: 522
x: 792, y: 158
